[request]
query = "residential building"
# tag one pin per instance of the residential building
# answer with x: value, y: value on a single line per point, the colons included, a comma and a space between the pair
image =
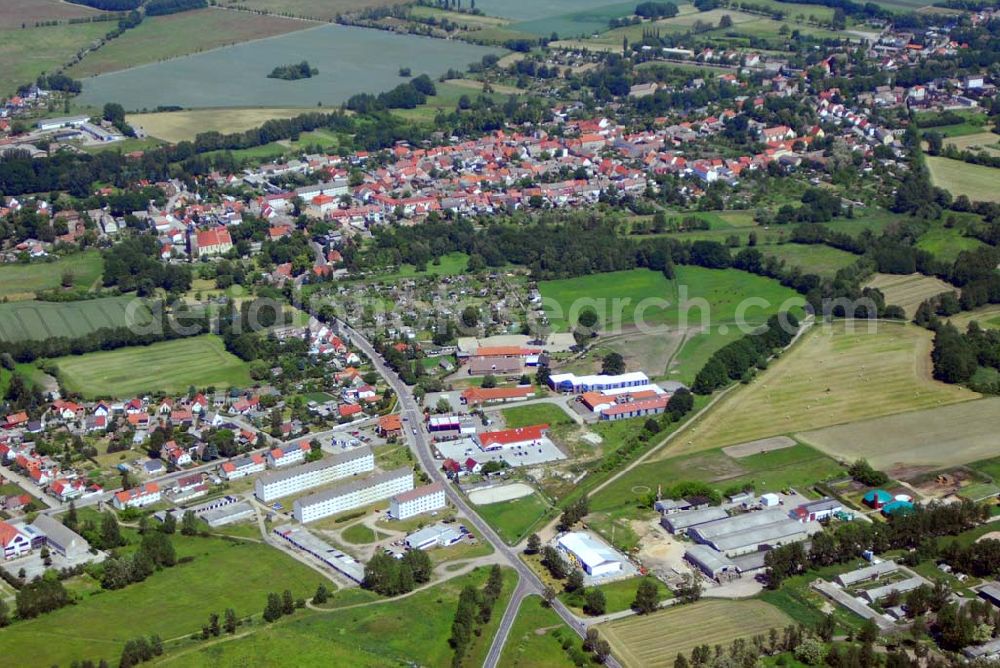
x: 241, y: 467
x: 137, y: 497
x: 353, y: 494
x: 416, y: 501
x: 13, y: 541
x: 342, y: 465
x: 287, y: 455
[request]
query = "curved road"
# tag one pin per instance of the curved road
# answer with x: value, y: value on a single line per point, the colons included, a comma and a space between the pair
x: 528, y: 583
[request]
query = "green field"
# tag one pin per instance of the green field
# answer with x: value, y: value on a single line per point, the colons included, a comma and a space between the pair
x: 832, y: 376
x: 986, y: 316
x: 513, y: 520
x: 535, y: 638
x: 161, y: 37
x: 169, y: 366
x: 977, y: 182
x: 320, y: 10
x: 656, y: 639
x: 695, y: 351
x: 622, y: 298
x: 407, y: 631
x: 812, y: 258
x: 946, y: 243
x: 910, y: 290
x: 34, y: 320
x: 175, y: 126
x: 450, y: 265
x: 171, y: 603
x: 618, y: 595
x: 22, y: 281
x: 524, y: 416
x: 798, y: 466
x: 25, y: 54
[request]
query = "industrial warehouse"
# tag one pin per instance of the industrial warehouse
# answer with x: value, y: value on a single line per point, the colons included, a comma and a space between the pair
x: 342, y: 465
x: 353, y: 494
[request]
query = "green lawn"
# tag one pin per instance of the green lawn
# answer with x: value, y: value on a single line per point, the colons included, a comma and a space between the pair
x: 798, y: 466
x: 812, y: 258
x: 449, y: 265
x: 535, y: 639
x: 623, y: 298
x: 33, y: 320
x: 408, y: 631
x: 26, y: 53
x: 170, y: 366
x: 171, y: 603
x: 513, y: 520
x: 22, y: 281
x: 360, y: 534
x: 524, y: 416
x: 619, y: 595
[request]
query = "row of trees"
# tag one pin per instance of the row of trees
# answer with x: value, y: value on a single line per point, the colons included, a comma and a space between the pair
x: 475, y: 608
x: 278, y: 606
x: 156, y: 551
x: 736, y: 360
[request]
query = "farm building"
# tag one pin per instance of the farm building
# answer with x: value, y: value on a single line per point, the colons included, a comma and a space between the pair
x: 592, y: 556
x: 816, y: 511
x: 342, y: 465
x: 481, y: 366
x: 749, y: 532
x: 680, y: 523
x: 353, y: 494
x: 878, y: 593
x: 894, y: 507
x: 329, y: 555
x: 991, y: 593
x: 877, y: 498
x: 416, y: 501
x: 638, y: 408
x: 713, y: 564
x: 873, y: 572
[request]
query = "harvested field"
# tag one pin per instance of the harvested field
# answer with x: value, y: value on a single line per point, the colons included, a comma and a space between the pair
x: 176, y: 126
x: 988, y: 317
x: 656, y: 639
x: 910, y: 290
x: 981, y: 141
x: 15, y: 13
x: 832, y: 376
x: 759, y: 446
x: 936, y: 437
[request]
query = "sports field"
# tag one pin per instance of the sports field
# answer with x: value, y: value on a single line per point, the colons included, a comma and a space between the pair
x: 910, y: 290
x: 525, y: 416
x: 624, y: 298
x: 656, y: 639
x: 936, y: 437
x: 977, y: 182
x: 34, y: 320
x: 831, y: 377
x: 175, y: 126
x: 24, y: 54
x: 170, y: 366
x: 22, y: 281
x: 162, y: 37
x: 408, y: 631
x: 172, y: 603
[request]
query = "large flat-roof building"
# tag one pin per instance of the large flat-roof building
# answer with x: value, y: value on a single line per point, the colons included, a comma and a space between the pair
x: 679, y: 523
x: 439, y: 535
x: 353, y: 494
x: 749, y: 532
x: 424, y: 499
x: 595, y: 558
x: 569, y: 382
x: 60, y: 539
x: 320, y: 549
x: 341, y: 465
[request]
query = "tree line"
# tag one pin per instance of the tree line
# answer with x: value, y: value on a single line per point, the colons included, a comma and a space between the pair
x: 475, y: 608
x: 737, y: 360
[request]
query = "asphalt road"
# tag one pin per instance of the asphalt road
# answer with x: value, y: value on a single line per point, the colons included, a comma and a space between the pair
x: 528, y: 582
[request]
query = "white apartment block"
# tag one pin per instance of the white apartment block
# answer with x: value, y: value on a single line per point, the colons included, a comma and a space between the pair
x: 353, y: 494
x: 285, y: 483
x: 420, y: 500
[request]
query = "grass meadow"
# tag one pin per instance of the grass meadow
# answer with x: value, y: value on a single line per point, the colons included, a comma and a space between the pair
x: 410, y: 630
x: 618, y: 595
x: 176, y: 126
x: 34, y: 320
x: 17, y: 13
x: 978, y: 182
x: 513, y: 520
x: 318, y: 10
x: 811, y: 258
x: 832, y: 376
x: 22, y: 281
x: 655, y: 640
x: 169, y: 366
x: 524, y: 416
x: 535, y: 639
x: 26, y: 53
x: 162, y: 37
x: 171, y: 603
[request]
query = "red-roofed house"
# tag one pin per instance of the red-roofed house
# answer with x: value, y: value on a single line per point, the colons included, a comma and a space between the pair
x: 512, y: 438
x: 477, y: 395
x: 349, y: 410
x: 242, y: 467
x: 137, y: 497
x: 213, y: 242
x: 390, y: 425
x: 175, y: 454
